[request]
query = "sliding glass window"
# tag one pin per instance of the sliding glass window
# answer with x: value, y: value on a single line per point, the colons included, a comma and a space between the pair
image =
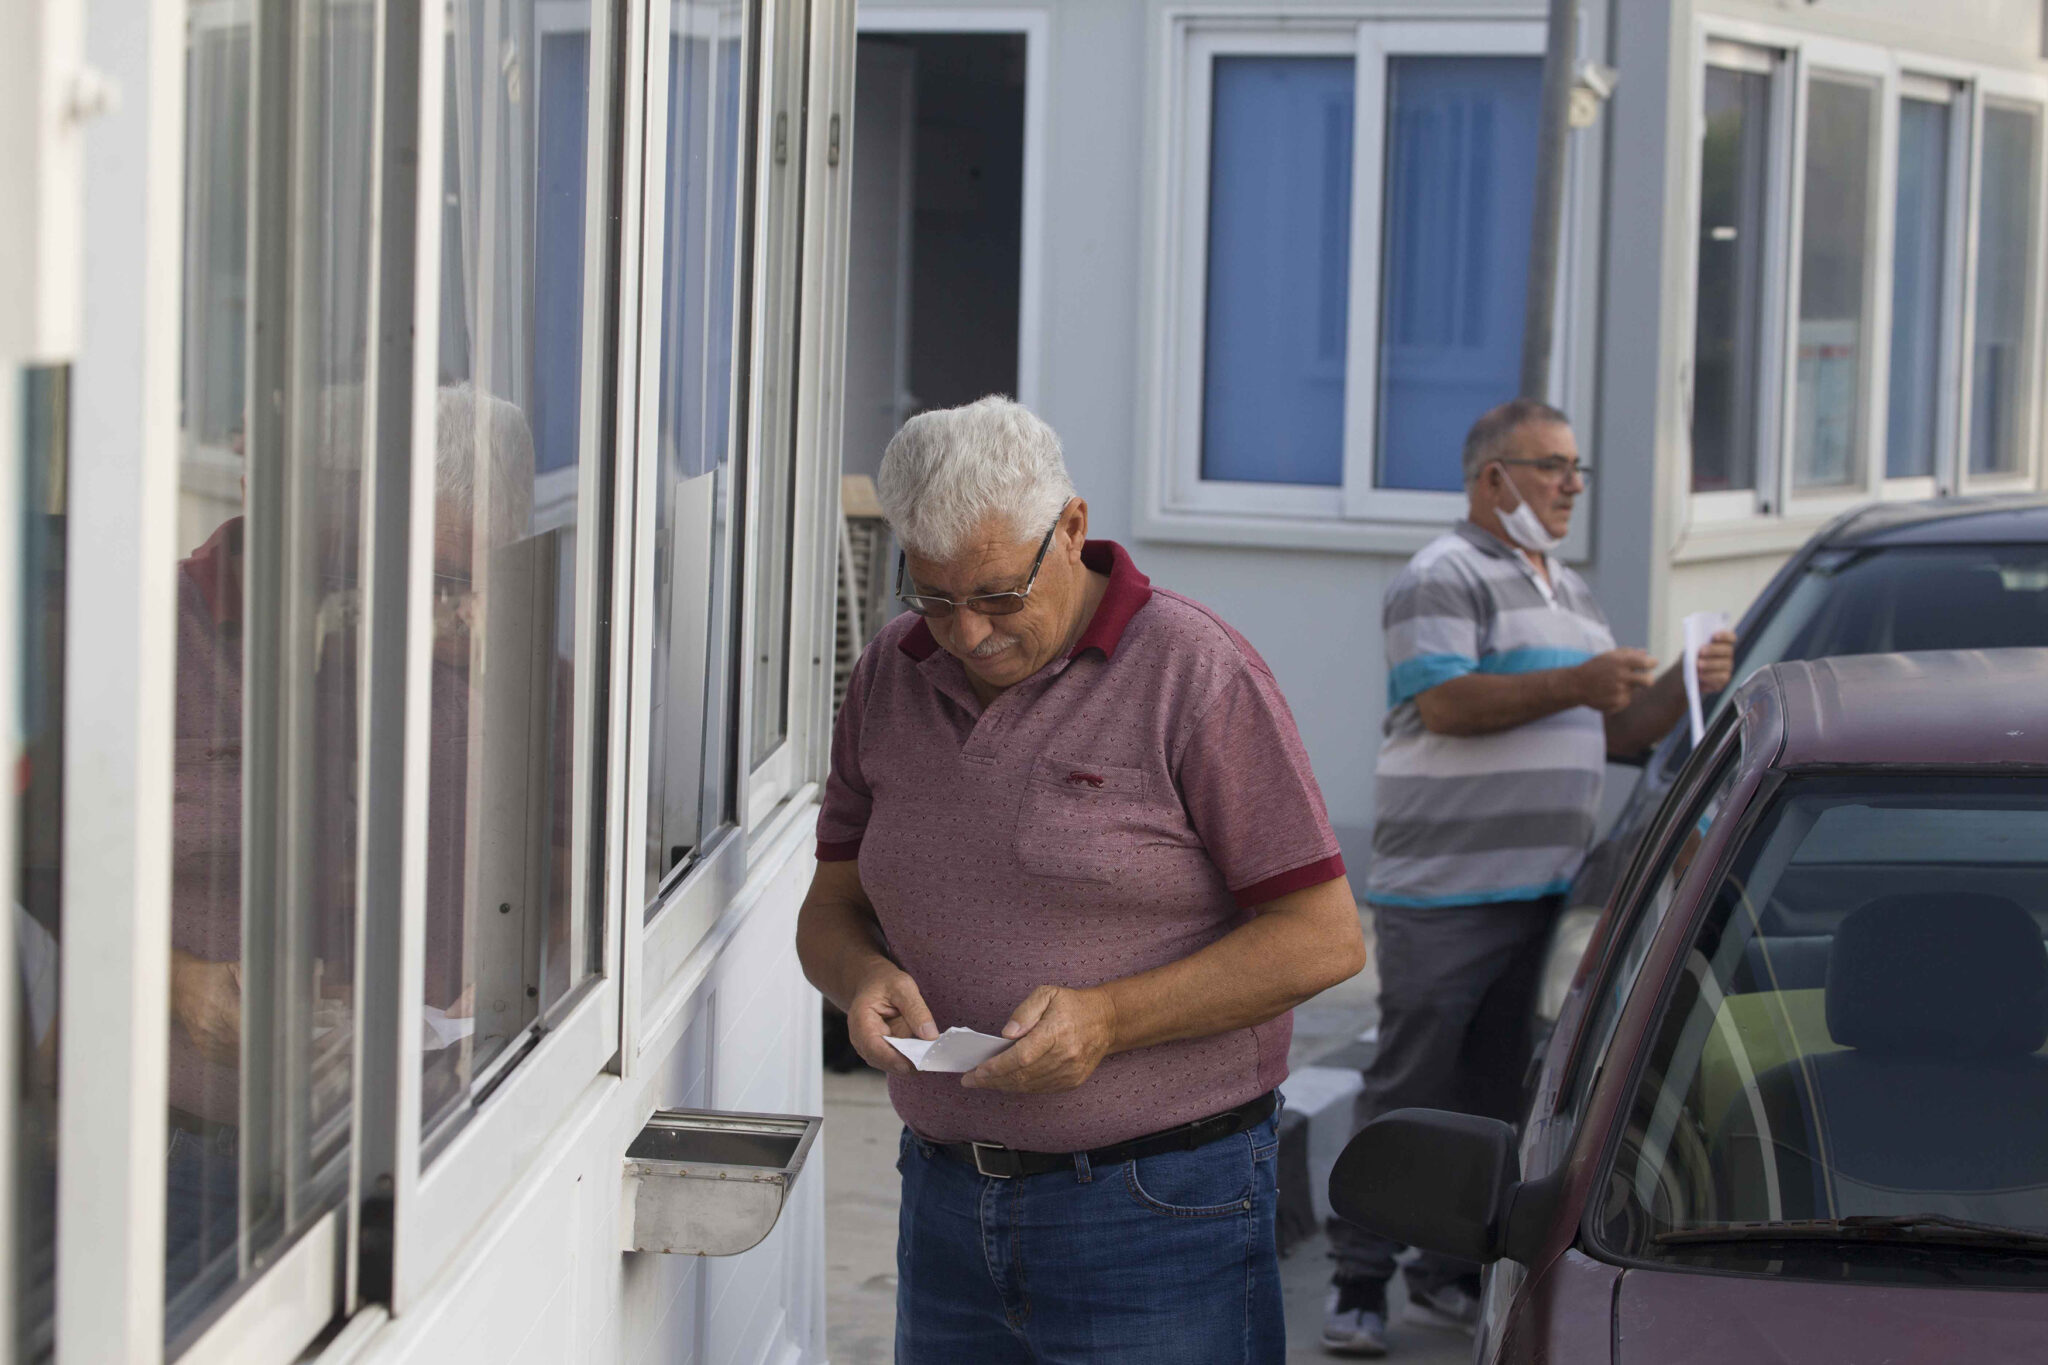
x: 2007, y: 279
x: 1461, y: 197
x: 1729, y: 294
x: 280, y: 121
x: 700, y: 475
x: 1838, y: 222
x: 1279, y: 269
x: 520, y: 538
x: 771, y: 559
x: 1920, y: 289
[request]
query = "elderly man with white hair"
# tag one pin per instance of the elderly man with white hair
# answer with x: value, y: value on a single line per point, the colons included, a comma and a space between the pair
x: 1072, y: 810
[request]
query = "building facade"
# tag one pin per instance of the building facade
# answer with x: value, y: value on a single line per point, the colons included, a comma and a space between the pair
x: 1271, y: 260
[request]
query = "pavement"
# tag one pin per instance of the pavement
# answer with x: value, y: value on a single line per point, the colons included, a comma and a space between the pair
x: 860, y: 1199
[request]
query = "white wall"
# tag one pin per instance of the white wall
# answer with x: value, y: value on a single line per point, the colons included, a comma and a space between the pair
x: 544, y: 1282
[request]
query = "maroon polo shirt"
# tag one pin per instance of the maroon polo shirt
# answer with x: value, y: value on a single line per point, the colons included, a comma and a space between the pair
x: 1120, y: 809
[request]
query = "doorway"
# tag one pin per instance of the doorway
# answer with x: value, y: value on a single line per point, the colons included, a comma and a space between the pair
x: 940, y: 307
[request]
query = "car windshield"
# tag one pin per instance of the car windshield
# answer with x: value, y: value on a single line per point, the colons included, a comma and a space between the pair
x: 1849, y: 1075
x: 1905, y: 598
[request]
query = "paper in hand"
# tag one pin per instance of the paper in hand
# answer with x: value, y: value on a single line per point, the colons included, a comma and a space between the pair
x: 957, y: 1049
x: 1699, y: 629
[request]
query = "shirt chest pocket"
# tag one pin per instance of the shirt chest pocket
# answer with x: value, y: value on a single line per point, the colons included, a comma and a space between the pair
x: 1080, y: 820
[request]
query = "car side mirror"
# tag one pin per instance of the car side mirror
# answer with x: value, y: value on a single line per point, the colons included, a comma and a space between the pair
x: 1444, y: 1182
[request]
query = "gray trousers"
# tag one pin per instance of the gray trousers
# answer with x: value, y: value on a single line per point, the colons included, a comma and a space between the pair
x: 1457, y: 989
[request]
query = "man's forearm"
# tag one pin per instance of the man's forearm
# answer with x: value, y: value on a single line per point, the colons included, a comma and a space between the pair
x: 1483, y: 703
x: 1295, y: 948
x: 837, y: 939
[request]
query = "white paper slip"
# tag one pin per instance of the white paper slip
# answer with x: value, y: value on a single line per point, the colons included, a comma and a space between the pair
x: 444, y: 1030
x: 1699, y: 628
x: 957, y: 1049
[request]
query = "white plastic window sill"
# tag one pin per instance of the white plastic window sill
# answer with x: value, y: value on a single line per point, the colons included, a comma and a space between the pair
x: 1402, y: 538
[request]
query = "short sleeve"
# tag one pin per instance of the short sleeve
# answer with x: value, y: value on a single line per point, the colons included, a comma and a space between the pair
x: 1431, y: 624
x: 1245, y: 780
x: 843, y: 815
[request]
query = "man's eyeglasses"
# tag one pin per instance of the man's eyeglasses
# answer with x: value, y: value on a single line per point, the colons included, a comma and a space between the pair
x: 1555, y: 467
x: 988, y: 604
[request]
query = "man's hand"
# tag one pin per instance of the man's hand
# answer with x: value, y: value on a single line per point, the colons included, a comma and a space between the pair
x: 1609, y: 682
x: 1717, y: 661
x: 206, y: 997
x: 1062, y: 1036
x: 887, y: 1005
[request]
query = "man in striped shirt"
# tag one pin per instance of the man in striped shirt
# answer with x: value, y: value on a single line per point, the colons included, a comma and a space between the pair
x: 1505, y: 697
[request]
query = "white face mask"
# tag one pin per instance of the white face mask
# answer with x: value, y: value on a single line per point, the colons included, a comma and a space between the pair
x: 1522, y: 526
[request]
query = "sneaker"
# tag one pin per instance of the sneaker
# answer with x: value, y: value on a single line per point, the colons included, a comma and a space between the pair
x: 1355, y: 1318
x: 1452, y: 1306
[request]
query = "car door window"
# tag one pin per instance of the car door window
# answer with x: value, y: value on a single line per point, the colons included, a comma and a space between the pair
x: 1676, y: 840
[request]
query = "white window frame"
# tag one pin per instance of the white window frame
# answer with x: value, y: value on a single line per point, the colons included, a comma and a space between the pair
x: 1847, y: 64
x: 1173, y: 502
x: 2006, y: 88
x: 660, y: 938
x: 1745, y: 521
x: 1913, y: 81
x: 478, y: 1156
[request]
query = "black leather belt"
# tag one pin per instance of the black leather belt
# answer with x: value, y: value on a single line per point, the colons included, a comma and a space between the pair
x: 1005, y: 1163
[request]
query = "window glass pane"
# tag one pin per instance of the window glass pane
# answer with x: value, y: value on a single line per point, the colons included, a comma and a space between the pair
x: 697, y: 483
x: 774, y: 521
x: 504, y: 941
x: 1919, y: 255
x: 1279, y: 270
x: 1729, y: 293
x: 1856, y: 1034
x: 2005, y: 289
x: 38, y: 927
x: 1834, y: 259
x: 268, y: 636
x: 1461, y: 195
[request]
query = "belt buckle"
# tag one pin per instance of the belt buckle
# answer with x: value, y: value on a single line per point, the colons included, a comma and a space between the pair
x: 982, y: 1166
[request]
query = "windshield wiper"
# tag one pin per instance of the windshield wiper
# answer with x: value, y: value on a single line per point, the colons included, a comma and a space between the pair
x: 1924, y: 1228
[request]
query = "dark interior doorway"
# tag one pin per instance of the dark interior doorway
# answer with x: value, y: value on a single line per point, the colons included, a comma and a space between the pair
x: 937, y: 236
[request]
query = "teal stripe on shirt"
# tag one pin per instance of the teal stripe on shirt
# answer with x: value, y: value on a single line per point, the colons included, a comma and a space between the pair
x: 1532, y: 660
x: 1412, y: 677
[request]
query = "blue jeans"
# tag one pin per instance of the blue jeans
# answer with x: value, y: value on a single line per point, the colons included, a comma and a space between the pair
x: 1166, y: 1260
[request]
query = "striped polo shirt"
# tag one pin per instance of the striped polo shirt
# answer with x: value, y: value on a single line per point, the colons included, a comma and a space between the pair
x: 1466, y: 820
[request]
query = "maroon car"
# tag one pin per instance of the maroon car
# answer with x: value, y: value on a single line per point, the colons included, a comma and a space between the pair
x: 1798, y: 1109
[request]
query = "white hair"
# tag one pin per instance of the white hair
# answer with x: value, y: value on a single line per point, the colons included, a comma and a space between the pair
x: 947, y: 472
x: 463, y: 418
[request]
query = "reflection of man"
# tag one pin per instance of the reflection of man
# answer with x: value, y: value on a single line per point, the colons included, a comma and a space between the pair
x: 1070, y: 809
x: 207, y: 971
x: 1505, y: 696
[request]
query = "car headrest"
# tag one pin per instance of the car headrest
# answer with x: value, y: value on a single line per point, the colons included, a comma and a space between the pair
x: 1938, y: 974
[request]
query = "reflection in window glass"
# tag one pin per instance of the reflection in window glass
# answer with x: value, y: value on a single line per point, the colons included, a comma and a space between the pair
x: 697, y: 488
x: 1919, y: 276
x: 1856, y: 1032
x: 1728, y: 296
x: 2005, y: 289
x: 770, y: 557
x: 1279, y: 270
x: 268, y: 633
x: 38, y: 927
x: 1461, y: 194
x: 504, y: 946
x: 1834, y: 259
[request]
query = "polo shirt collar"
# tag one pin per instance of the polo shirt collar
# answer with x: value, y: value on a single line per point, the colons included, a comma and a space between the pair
x: 1128, y: 591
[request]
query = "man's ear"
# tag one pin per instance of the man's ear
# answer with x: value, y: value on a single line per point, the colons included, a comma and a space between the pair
x: 1074, y: 524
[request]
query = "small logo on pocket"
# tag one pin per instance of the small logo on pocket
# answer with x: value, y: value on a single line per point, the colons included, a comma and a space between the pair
x: 1079, y: 779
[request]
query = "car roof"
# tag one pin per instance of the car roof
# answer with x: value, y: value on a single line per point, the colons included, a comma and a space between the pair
x: 2001, y: 519
x: 1957, y: 708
